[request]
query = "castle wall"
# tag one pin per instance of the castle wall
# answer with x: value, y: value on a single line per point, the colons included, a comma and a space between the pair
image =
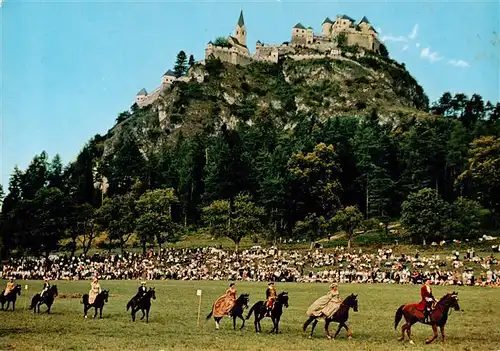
x: 231, y: 55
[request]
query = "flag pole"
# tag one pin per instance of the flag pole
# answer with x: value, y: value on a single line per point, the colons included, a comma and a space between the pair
x: 198, y: 292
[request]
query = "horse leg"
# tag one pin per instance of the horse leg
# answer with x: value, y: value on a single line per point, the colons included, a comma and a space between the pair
x: 306, y: 324
x: 234, y: 322
x: 348, y: 331
x: 8, y: 304
x: 442, y: 333
x: 85, y: 309
x: 312, y: 328
x: 100, y: 312
x: 143, y: 314
x: 403, y: 328
x: 132, y: 314
x: 95, y: 312
x: 327, y: 332
x: 338, y: 330
x: 277, y: 324
x: 14, y: 305
x: 408, y: 331
x: 434, y: 336
x: 147, y: 315
x: 243, y: 324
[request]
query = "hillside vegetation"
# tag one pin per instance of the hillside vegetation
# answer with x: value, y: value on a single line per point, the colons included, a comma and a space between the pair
x: 298, y: 150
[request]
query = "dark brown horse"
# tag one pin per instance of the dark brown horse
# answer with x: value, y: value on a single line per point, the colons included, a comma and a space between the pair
x: 437, y: 317
x: 340, y: 317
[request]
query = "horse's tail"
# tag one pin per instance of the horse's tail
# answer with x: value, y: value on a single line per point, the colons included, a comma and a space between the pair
x: 129, y: 304
x: 85, y: 299
x: 398, y: 316
x: 251, y: 311
x: 211, y: 312
x: 33, y: 302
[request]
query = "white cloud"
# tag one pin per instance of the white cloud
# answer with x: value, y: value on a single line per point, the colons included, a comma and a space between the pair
x: 417, y: 45
x: 429, y: 55
x: 379, y: 30
x: 405, y: 47
x: 393, y: 38
x: 459, y: 63
x: 414, y: 32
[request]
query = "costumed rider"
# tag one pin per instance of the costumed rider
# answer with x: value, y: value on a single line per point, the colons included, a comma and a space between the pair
x: 95, y: 289
x: 10, y: 286
x: 428, y: 299
x: 325, y: 306
x: 225, y: 303
x: 140, y: 292
x: 46, y: 287
x: 270, y: 297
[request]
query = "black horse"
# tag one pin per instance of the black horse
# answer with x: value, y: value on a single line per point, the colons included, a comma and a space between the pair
x: 10, y: 297
x: 47, y: 299
x: 143, y: 304
x: 98, y: 304
x: 340, y: 317
x: 236, y: 312
x: 260, y: 310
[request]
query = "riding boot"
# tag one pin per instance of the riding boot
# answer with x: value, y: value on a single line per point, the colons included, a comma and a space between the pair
x: 426, y: 315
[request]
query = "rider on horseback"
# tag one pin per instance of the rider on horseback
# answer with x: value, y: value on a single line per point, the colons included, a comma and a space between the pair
x: 10, y: 286
x: 140, y: 292
x: 46, y: 287
x: 271, y: 298
x: 428, y: 299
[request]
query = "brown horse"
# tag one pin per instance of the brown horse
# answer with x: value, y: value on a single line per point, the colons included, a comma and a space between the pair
x: 340, y: 317
x: 437, y: 317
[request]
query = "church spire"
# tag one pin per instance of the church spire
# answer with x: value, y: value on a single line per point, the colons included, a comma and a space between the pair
x: 241, y: 22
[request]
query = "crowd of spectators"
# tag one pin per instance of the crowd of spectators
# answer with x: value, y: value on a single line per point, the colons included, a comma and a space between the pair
x: 267, y: 264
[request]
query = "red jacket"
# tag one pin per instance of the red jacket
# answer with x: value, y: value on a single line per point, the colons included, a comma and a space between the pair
x: 425, y: 291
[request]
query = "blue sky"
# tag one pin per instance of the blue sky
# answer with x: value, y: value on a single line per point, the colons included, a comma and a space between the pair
x: 68, y: 67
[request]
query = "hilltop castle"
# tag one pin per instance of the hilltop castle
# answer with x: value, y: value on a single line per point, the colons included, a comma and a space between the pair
x: 304, y: 45
x: 343, y: 31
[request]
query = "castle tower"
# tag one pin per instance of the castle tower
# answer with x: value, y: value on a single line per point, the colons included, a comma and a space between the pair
x: 240, y: 32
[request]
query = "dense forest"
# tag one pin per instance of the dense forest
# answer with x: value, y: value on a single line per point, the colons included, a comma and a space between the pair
x: 439, y: 175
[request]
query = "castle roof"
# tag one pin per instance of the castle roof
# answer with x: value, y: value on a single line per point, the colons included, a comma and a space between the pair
x: 309, y: 27
x: 241, y: 21
x: 373, y: 29
x: 299, y: 26
x: 142, y: 92
x: 346, y: 17
x: 327, y: 20
x: 364, y: 20
x: 236, y: 42
x: 170, y: 73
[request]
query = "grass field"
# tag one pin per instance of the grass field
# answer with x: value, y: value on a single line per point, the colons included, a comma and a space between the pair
x: 173, y: 320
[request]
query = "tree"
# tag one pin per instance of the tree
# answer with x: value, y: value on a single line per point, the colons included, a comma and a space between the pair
x: 180, y: 67
x: 235, y: 222
x: 117, y: 216
x: 154, y: 210
x: 341, y: 40
x: 426, y: 215
x: 55, y: 172
x: 81, y: 226
x: 46, y: 221
x: 315, y: 183
x: 313, y: 227
x: 348, y: 219
x: 2, y: 194
x: 483, y: 171
x: 468, y: 216
x: 191, y: 61
x: 383, y: 51
x: 221, y: 41
x: 122, y: 116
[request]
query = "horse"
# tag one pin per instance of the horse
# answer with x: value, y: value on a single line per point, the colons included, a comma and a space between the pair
x: 260, y: 311
x: 47, y: 299
x: 143, y: 303
x: 340, y: 316
x: 98, y: 304
x: 437, y: 318
x: 10, y: 297
x: 236, y: 312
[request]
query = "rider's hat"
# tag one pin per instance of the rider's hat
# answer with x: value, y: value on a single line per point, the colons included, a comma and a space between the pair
x: 143, y: 282
x: 271, y: 283
x: 333, y: 285
x: 46, y: 279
